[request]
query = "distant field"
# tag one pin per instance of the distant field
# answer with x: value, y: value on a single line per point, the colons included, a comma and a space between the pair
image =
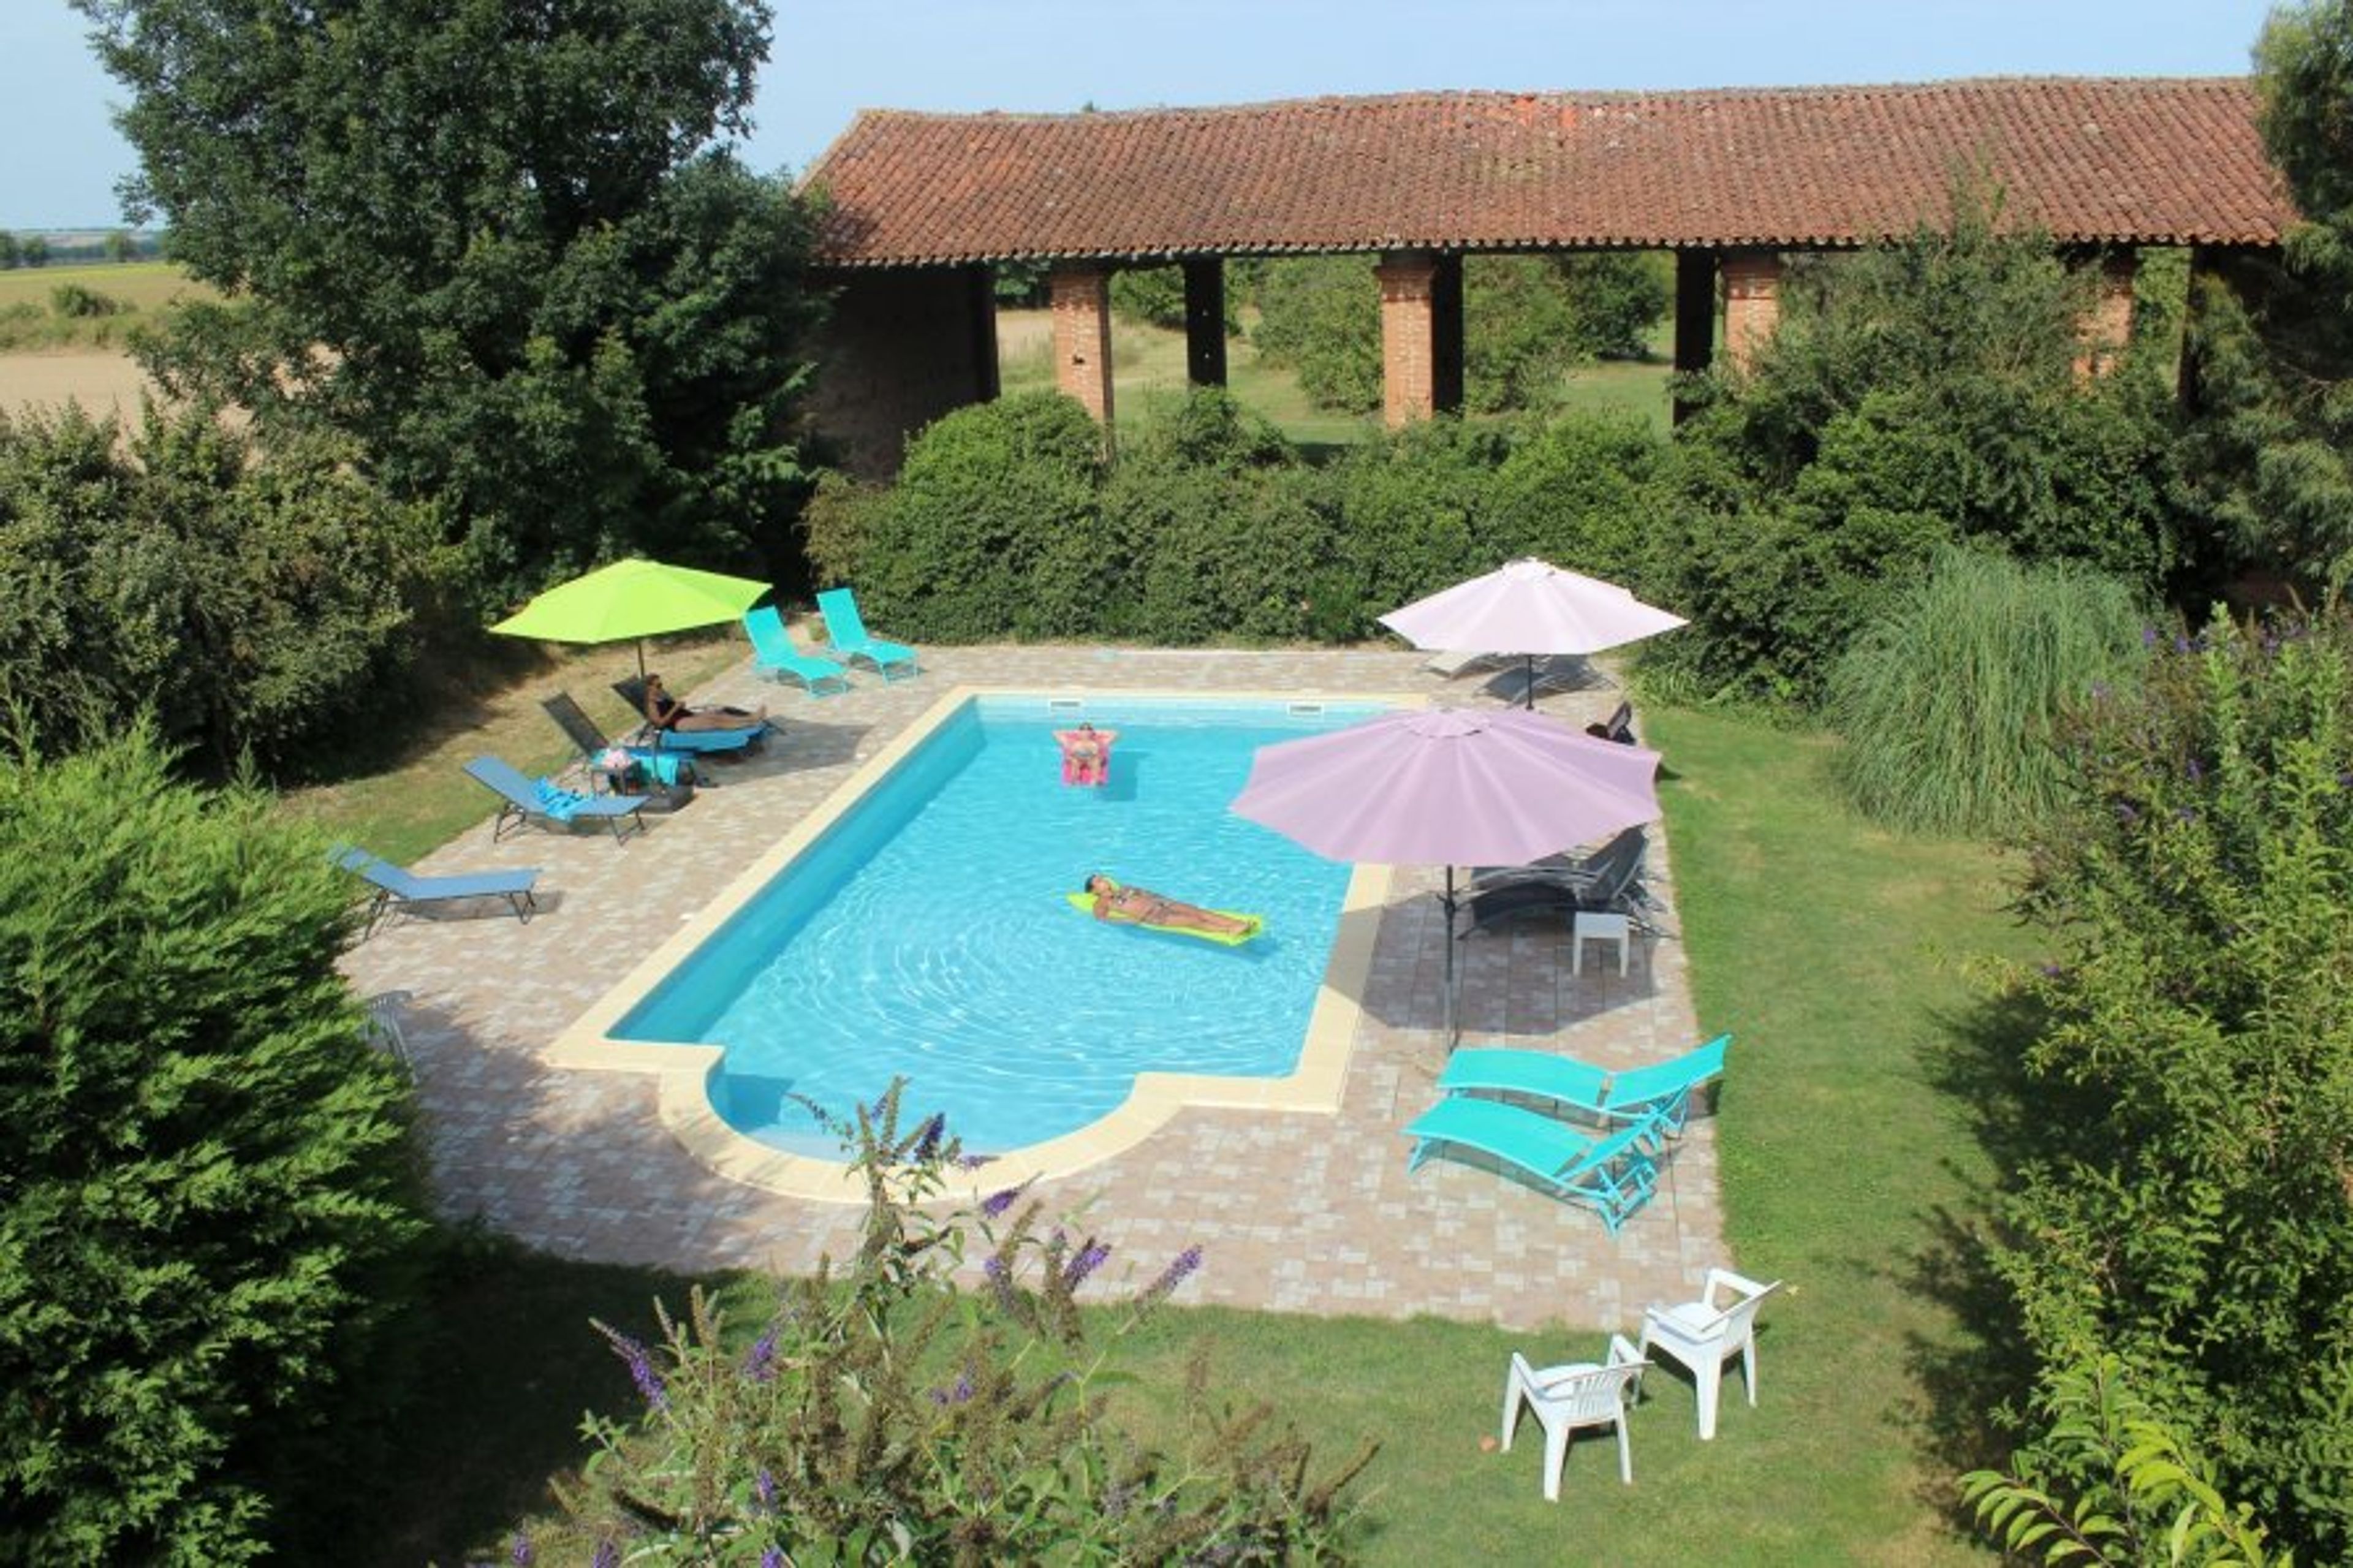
x: 1148, y: 371
x: 30, y: 320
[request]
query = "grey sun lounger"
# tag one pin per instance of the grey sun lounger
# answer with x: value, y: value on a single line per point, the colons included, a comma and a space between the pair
x: 1659, y: 1093
x: 397, y: 888
x: 544, y: 801
x: 1613, y: 1174
x: 1607, y: 881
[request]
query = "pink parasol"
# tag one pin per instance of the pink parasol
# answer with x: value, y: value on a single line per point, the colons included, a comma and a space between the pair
x: 1444, y: 786
x: 1530, y: 607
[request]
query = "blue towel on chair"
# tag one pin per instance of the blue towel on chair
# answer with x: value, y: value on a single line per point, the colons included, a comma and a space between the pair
x: 557, y: 802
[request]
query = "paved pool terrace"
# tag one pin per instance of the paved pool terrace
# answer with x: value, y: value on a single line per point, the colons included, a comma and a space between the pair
x: 1308, y: 1212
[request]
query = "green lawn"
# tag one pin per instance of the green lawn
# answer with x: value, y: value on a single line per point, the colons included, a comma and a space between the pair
x: 1836, y: 954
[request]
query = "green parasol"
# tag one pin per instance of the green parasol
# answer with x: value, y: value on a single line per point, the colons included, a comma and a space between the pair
x: 632, y: 599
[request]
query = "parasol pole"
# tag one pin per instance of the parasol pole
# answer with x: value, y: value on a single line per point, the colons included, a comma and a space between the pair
x: 1446, y: 902
x: 1530, y: 668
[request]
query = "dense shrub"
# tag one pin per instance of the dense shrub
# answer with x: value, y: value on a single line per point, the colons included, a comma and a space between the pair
x: 2190, y: 1207
x: 1320, y: 317
x: 208, y: 1196
x: 1414, y: 509
x: 1574, y: 491
x: 257, y: 601
x: 994, y: 516
x: 72, y: 300
x: 881, y: 1416
x: 1216, y: 526
x: 1917, y: 396
x: 1951, y: 703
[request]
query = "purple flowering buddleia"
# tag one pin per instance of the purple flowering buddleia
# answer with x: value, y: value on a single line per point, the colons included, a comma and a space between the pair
x: 642, y: 1368
x: 994, y: 1205
x: 1180, y: 1269
x: 608, y: 1556
x: 520, y: 1554
x: 1000, y: 1279
x: 927, y: 1142
x: 773, y: 1557
x: 764, y: 1488
x: 1090, y: 1258
x: 759, y: 1362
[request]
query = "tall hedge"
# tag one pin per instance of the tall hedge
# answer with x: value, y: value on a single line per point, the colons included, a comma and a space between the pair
x: 2190, y: 1204
x: 991, y: 525
x: 207, y: 1194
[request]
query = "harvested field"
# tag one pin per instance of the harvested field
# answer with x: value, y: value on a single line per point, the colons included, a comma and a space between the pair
x: 105, y: 384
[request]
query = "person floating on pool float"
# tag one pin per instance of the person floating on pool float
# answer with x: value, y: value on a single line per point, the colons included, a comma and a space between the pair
x: 1086, y: 754
x: 1140, y: 906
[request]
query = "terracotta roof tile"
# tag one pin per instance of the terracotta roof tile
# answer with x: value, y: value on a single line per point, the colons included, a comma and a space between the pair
x: 2147, y: 160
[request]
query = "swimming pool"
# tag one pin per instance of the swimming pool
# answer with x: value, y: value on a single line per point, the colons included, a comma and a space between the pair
x: 922, y: 933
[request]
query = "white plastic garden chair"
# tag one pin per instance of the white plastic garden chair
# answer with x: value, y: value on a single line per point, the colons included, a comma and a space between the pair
x: 1706, y: 1333
x: 1567, y: 1398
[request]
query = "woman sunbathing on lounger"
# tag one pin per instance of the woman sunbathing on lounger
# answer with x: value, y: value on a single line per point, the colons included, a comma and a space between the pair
x: 664, y: 712
x: 1139, y: 906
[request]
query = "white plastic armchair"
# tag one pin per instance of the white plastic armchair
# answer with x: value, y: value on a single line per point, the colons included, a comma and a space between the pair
x: 1706, y: 1333
x: 1567, y: 1398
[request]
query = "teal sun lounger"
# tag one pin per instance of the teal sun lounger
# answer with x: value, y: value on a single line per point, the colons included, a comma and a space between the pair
x: 1613, y: 1174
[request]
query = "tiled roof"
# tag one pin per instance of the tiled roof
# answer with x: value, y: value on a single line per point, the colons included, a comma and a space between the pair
x: 2147, y: 161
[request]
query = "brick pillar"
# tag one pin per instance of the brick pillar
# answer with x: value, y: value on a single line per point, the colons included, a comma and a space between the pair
x: 2105, y: 328
x: 1408, y: 282
x: 1082, y: 304
x: 1752, y: 303
x: 1694, y: 316
x: 1204, y: 320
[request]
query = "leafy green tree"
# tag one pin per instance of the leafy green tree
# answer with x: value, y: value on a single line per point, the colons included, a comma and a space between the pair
x: 1320, y: 316
x: 499, y: 247
x: 2190, y: 1207
x: 33, y: 250
x: 208, y: 1200
x: 882, y: 1415
x: 10, y: 251
x: 119, y: 245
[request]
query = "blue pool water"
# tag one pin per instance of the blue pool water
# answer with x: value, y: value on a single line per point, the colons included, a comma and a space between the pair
x: 926, y: 935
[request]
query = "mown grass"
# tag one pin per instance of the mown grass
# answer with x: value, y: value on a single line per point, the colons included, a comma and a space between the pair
x: 1148, y: 374
x: 30, y: 320
x: 1838, y: 955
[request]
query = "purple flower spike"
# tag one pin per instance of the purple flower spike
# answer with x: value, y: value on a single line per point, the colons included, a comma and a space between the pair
x: 2148, y: 636
x: 2181, y: 643
x: 771, y: 1557
x: 962, y: 1393
x: 608, y: 1556
x: 521, y: 1555
x: 1180, y: 1269
x: 764, y: 1487
x: 1090, y: 1258
x: 927, y: 1144
x: 996, y: 1203
x: 759, y: 1362
x: 2196, y: 770
x: 641, y: 1369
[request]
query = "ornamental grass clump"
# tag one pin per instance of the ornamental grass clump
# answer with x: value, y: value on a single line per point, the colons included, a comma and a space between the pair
x: 1951, y: 702
x: 883, y: 1414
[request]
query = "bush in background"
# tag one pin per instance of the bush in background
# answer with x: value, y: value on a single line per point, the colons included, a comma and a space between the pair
x: 2189, y: 1205
x: 993, y: 525
x: 257, y: 603
x: 1952, y: 702
x: 207, y: 1195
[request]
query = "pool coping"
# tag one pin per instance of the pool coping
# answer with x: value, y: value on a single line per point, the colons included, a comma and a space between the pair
x: 683, y: 1068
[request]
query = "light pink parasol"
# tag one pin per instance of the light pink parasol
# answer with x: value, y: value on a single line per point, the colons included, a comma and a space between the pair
x: 1530, y: 607
x: 1449, y: 787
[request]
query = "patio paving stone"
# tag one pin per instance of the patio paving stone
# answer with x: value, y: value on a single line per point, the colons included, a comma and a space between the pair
x: 1293, y: 1212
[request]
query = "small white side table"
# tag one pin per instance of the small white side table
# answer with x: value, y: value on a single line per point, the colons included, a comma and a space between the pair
x: 1586, y: 926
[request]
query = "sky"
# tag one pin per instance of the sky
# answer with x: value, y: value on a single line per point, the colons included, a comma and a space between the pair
x: 830, y: 58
